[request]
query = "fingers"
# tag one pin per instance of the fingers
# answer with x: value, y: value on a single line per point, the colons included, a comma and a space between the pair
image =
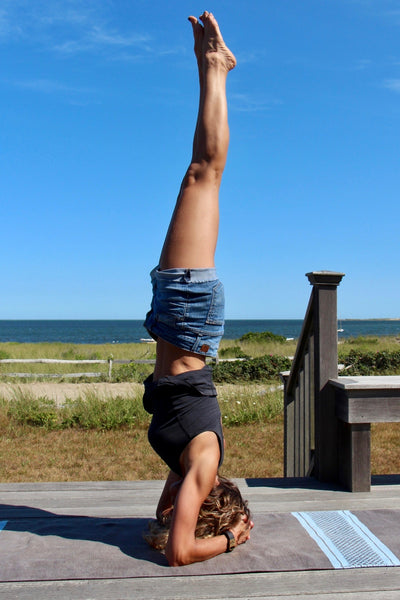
x: 244, y: 527
x: 249, y: 522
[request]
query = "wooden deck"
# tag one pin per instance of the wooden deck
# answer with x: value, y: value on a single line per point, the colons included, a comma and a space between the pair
x: 118, y: 500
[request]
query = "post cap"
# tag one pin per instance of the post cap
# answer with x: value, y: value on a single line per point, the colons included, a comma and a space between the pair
x: 325, y: 277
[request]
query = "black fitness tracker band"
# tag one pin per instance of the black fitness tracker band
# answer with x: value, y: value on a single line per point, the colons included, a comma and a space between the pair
x: 230, y: 540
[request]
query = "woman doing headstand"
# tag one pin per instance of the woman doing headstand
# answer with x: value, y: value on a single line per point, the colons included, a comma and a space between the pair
x: 199, y: 514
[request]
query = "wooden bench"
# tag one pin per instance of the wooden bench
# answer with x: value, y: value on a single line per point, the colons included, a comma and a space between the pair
x: 360, y: 401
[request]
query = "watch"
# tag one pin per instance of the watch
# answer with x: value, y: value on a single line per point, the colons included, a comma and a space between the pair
x: 230, y: 539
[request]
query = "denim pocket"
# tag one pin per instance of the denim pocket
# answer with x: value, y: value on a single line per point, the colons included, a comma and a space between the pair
x: 217, y: 306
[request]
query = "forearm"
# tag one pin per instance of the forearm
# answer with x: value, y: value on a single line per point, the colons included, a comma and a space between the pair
x: 197, y: 551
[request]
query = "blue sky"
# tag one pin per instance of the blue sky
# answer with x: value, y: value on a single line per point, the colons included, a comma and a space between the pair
x: 98, y: 103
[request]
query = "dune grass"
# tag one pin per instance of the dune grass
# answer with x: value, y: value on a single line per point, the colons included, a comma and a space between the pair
x: 370, y: 343
x: 68, y: 351
x: 239, y: 405
x: 252, y: 450
x: 95, y: 438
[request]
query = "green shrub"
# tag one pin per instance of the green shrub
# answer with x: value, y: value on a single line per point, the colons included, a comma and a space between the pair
x: 90, y: 412
x: 263, y: 368
x: 232, y: 352
x: 40, y: 412
x: 362, y: 340
x: 383, y: 362
x: 93, y: 412
x: 128, y: 372
x: 262, y: 336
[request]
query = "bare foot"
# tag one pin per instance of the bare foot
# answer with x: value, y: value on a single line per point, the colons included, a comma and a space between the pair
x: 213, y: 43
x: 209, y: 44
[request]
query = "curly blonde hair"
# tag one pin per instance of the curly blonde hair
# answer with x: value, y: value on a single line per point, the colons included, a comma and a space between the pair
x: 221, y: 510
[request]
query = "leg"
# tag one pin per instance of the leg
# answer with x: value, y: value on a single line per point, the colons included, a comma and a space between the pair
x: 192, y: 235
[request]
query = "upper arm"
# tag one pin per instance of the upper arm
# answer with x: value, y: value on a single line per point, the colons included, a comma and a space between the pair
x: 200, y: 477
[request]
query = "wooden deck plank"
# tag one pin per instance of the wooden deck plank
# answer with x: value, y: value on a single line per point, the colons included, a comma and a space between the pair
x: 364, y: 584
x: 138, y: 498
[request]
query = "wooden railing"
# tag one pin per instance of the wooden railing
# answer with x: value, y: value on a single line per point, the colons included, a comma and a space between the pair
x: 310, y: 420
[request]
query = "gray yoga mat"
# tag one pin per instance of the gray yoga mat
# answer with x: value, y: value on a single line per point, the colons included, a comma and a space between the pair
x: 44, y: 546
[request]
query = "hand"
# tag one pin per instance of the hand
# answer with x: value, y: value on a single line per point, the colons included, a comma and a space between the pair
x: 241, y: 530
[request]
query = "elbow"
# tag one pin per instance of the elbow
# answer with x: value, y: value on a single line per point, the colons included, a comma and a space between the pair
x: 176, y: 559
x: 173, y: 562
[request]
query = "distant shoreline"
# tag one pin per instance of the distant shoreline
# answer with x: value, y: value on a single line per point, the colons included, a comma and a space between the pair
x: 120, y: 331
x: 382, y: 319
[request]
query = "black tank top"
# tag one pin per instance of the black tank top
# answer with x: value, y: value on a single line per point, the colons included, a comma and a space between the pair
x: 183, y: 406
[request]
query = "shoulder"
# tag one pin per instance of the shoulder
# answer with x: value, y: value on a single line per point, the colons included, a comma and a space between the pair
x: 202, y: 454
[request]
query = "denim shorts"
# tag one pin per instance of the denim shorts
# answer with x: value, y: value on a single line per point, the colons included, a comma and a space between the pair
x: 187, y: 309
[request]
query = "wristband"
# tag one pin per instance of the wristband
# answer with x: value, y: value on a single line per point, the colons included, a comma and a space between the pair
x: 230, y: 540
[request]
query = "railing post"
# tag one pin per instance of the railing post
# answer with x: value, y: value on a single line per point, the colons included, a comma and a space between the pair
x: 325, y: 285
x: 288, y: 432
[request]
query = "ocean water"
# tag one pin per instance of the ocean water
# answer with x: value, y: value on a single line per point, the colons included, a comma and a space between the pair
x: 119, y: 331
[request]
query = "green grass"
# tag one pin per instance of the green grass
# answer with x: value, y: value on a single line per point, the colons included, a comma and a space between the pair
x: 369, y: 343
x: 257, y: 348
x: 242, y: 405
x: 61, y: 351
x: 239, y: 405
x: 254, y: 347
x: 76, y: 351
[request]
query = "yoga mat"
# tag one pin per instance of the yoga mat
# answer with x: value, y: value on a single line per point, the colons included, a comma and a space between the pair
x: 52, y: 547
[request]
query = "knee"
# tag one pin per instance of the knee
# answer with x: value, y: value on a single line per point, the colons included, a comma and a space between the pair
x: 204, y: 171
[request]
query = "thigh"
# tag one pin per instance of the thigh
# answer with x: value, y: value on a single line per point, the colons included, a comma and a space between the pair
x: 193, y: 232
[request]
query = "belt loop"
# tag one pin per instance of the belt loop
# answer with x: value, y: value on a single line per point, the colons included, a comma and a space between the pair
x: 187, y: 275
